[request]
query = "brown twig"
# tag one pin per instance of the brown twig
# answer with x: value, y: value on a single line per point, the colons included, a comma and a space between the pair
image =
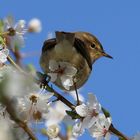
x: 116, y: 132
x: 14, y: 64
x: 77, y: 97
x: 64, y: 100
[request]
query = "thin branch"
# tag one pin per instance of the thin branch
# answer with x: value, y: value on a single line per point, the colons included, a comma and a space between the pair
x: 77, y: 97
x: 15, y: 65
x: 64, y: 100
x: 118, y: 133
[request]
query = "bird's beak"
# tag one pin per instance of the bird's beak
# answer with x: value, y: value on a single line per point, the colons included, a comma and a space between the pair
x: 107, y: 55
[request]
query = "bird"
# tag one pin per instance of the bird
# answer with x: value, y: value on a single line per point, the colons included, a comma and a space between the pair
x: 70, y: 56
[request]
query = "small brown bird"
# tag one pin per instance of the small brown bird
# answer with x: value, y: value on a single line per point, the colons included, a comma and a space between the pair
x: 68, y: 58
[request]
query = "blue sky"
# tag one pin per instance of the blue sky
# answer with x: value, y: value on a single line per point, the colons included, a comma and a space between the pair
x: 116, y: 82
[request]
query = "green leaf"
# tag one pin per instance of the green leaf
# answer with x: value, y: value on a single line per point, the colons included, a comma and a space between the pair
x: 106, y: 112
x: 73, y: 114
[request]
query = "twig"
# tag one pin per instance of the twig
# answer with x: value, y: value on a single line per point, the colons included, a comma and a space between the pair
x: 118, y: 133
x: 15, y: 65
x: 77, y: 97
x: 64, y: 100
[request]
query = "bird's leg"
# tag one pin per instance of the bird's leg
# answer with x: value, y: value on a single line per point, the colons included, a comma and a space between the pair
x: 76, y: 92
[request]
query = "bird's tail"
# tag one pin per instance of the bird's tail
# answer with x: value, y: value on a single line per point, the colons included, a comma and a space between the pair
x: 61, y: 36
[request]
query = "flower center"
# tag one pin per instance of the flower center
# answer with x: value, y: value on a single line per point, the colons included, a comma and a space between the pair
x: 60, y: 70
x: 37, y: 115
x: 33, y: 99
x: 105, y: 131
x: 94, y: 114
x: 11, y: 31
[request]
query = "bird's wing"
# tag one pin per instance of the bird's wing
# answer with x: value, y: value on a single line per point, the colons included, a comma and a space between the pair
x: 49, y: 44
x: 78, y: 44
x: 80, y: 47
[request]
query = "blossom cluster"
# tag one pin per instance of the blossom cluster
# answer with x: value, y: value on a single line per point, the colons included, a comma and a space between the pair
x: 33, y: 104
x: 22, y: 100
x: 12, y: 35
x: 93, y: 120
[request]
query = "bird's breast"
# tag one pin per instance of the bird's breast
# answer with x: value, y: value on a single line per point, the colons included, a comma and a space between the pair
x: 69, y: 54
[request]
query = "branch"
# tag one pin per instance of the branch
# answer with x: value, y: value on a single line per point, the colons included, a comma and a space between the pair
x: 118, y: 133
x: 60, y: 97
x: 14, y: 64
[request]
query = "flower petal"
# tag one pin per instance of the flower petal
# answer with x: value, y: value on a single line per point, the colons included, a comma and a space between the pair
x: 19, y: 27
x: 77, y: 130
x: 53, y: 76
x: 8, y: 22
x: 82, y: 110
x: 91, y: 99
x: 5, y: 51
x: 66, y: 81
x: 88, y: 122
x: 53, y: 65
x: 93, y: 103
x: 71, y: 71
x: 107, y: 136
x: 92, y: 121
x: 3, y: 55
x: 53, y: 131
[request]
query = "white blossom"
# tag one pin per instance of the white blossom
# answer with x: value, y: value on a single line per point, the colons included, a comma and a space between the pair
x: 34, y: 104
x: 35, y: 25
x: 62, y: 71
x: 18, y: 84
x: 3, y: 54
x: 77, y: 130
x: 56, y: 114
x: 16, y: 31
x: 89, y: 111
x: 100, y: 129
x: 53, y: 131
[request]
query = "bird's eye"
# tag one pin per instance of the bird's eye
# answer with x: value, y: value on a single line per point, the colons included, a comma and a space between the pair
x: 93, y: 45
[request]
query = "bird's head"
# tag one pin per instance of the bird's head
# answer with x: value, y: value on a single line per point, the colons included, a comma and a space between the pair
x: 93, y: 45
